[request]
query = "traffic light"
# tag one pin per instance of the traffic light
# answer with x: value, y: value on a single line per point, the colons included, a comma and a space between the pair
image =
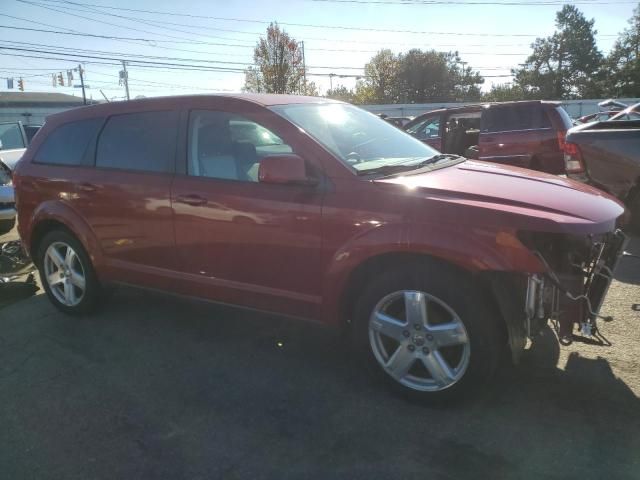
x: 21, y: 85
x: 60, y: 79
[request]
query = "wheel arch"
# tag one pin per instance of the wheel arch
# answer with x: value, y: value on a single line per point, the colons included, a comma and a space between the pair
x: 50, y: 216
x: 356, y: 280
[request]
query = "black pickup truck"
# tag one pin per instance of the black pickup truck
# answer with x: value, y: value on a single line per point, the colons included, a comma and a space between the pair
x: 607, y: 156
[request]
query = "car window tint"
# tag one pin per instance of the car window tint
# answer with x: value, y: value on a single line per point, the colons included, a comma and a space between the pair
x: 518, y: 117
x: 11, y: 137
x: 67, y: 144
x: 143, y: 141
x: 228, y: 146
x: 428, y: 128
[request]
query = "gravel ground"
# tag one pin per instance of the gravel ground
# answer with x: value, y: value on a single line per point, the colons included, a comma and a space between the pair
x: 154, y: 387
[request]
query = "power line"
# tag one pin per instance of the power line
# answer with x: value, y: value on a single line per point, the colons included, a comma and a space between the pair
x: 467, y: 3
x: 307, y: 25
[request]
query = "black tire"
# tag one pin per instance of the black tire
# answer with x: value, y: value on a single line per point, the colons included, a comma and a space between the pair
x: 93, y: 290
x: 456, y: 289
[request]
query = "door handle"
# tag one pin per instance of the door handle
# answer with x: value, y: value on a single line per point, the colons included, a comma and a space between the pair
x: 87, y: 187
x: 191, y: 199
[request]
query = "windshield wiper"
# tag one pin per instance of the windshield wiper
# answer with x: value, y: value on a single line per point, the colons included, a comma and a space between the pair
x: 403, y: 167
x: 387, y: 169
x: 439, y: 157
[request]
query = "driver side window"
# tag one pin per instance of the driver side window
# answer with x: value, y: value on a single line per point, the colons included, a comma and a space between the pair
x: 428, y: 128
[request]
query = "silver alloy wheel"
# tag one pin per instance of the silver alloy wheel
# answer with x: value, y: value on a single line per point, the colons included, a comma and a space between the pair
x: 419, y: 340
x: 64, y: 274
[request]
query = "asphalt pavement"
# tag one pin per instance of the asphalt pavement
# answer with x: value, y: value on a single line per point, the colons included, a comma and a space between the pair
x: 155, y: 387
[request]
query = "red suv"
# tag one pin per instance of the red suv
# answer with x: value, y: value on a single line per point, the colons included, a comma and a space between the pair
x: 316, y: 209
x: 525, y: 134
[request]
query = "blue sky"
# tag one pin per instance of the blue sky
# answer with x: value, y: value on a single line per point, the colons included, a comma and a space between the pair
x: 494, y: 38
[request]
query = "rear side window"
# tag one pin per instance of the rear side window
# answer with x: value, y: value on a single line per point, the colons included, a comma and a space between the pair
x: 143, y: 141
x: 519, y: 117
x: 67, y: 144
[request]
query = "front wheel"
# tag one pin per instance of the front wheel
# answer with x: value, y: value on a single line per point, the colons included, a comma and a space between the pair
x: 67, y: 274
x: 427, y: 332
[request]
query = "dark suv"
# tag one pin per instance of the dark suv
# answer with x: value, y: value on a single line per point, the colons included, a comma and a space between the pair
x: 525, y: 134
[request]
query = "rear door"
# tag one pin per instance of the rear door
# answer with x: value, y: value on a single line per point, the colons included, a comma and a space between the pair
x: 510, y: 134
x: 126, y: 197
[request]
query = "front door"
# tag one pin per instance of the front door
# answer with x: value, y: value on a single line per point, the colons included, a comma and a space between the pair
x: 238, y: 240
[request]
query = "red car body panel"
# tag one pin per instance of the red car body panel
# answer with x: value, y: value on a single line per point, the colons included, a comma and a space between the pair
x: 292, y: 249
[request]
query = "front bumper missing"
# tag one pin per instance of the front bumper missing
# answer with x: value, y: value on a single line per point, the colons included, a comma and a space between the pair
x: 571, y: 300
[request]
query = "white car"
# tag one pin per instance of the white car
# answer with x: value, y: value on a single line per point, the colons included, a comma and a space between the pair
x: 7, y: 201
x: 13, y: 143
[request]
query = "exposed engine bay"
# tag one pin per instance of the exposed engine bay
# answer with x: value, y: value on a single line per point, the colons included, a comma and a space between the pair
x: 570, y: 292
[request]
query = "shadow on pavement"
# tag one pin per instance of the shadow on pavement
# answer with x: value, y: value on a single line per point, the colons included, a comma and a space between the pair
x: 154, y: 387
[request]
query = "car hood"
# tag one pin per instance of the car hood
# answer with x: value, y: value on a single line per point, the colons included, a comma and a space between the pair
x: 484, y: 194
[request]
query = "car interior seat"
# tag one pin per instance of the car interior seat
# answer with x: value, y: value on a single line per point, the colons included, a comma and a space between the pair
x: 215, y: 151
x: 247, y: 162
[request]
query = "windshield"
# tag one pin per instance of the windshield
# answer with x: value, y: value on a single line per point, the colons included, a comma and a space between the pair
x: 358, y: 138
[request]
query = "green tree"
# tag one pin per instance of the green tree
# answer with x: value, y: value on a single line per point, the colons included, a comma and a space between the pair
x: 380, y: 82
x: 566, y: 64
x: 506, y: 92
x: 623, y: 62
x: 424, y: 77
x: 279, y: 65
x: 342, y: 93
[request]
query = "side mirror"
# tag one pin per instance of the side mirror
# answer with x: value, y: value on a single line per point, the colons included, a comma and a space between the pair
x: 284, y: 169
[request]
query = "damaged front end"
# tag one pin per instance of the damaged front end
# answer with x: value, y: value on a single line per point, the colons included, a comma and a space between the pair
x: 569, y: 292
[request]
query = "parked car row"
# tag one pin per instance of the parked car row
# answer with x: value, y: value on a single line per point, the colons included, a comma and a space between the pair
x: 524, y: 134
x: 312, y: 208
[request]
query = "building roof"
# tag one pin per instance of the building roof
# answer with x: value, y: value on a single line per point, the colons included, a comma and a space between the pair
x: 40, y: 99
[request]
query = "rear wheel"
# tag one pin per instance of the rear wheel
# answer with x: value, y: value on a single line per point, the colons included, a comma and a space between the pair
x: 67, y: 274
x: 427, y: 332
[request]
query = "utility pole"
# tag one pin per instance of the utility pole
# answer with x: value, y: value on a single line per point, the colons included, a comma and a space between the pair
x: 84, y: 95
x: 304, y: 67
x: 125, y: 78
